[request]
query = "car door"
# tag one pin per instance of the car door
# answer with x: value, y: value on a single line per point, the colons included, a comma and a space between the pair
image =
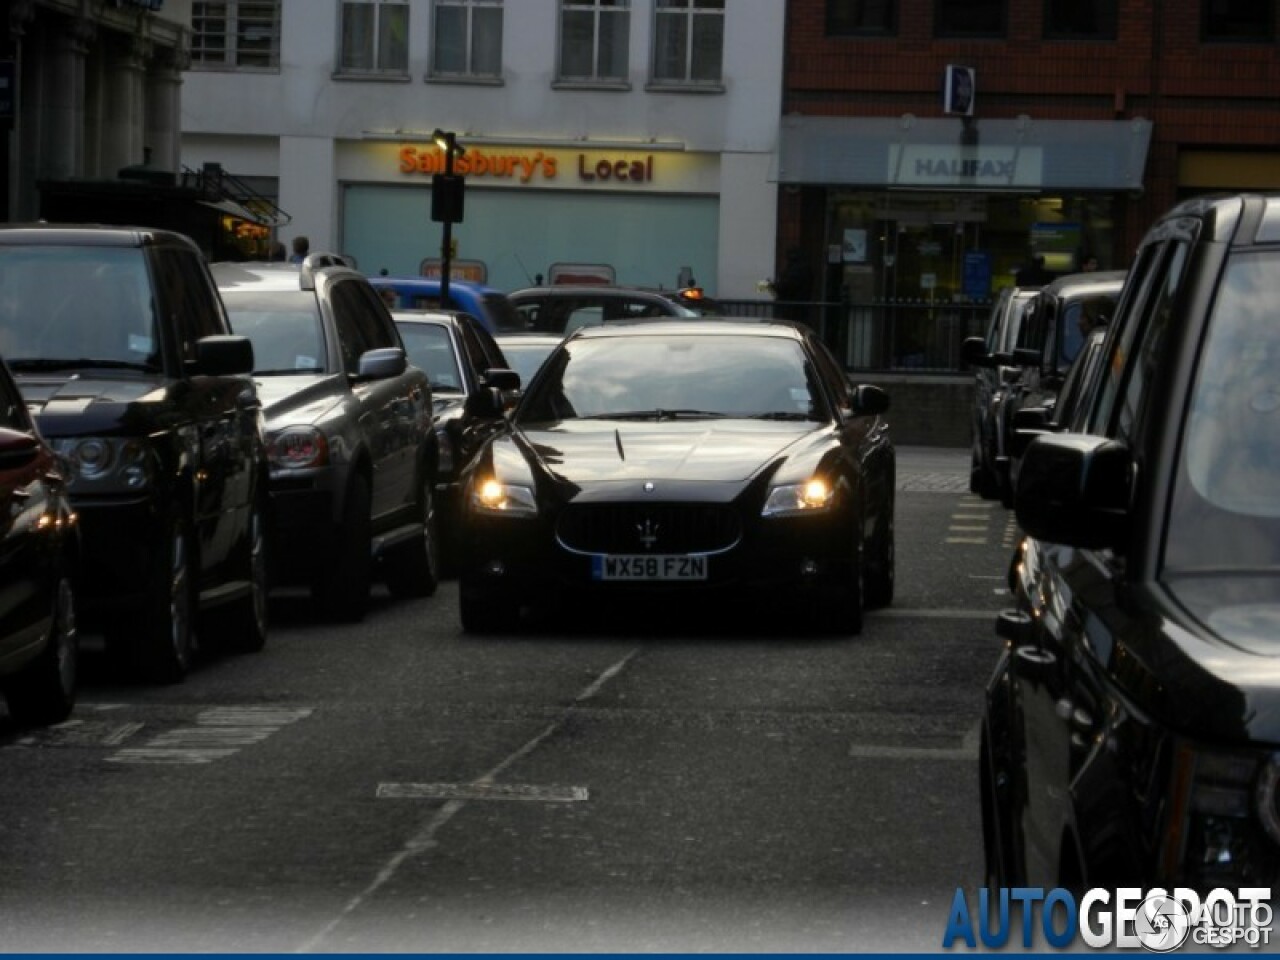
x: 391, y: 411
x: 26, y: 569
x: 1077, y: 612
x: 480, y: 353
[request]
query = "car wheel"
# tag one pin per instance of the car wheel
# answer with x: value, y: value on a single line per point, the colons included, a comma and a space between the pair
x: 342, y: 588
x: 241, y: 625
x: 413, y: 570
x: 44, y: 691
x: 878, y: 580
x: 164, y: 645
x: 485, y: 613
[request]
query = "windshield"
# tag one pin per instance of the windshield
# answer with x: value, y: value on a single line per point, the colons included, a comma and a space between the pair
x: 665, y: 375
x: 76, y: 307
x: 284, y: 328
x: 526, y: 358
x: 1226, y: 505
x: 431, y: 350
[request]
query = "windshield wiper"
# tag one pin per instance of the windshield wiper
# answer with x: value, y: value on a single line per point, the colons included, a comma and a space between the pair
x: 79, y: 363
x: 782, y: 415
x: 656, y: 414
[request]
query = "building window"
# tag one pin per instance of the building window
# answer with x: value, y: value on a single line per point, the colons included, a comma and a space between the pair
x: 236, y: 34
x: 375, y: 37
x: 467, y: 38
x: 593, y: 40
x: 1252, y: 21
x: 969, y: 18
x: 688, y: 41
x: 1080, y: 20
x: 862, y: 18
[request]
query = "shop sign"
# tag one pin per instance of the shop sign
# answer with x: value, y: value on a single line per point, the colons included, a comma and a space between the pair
x: 953, y: 165
x: 476, y: 162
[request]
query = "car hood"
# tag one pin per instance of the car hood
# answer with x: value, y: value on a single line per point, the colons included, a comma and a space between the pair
x: 1222, y: 658
x: 304, y: 398
x: 730, y: 451
x: 82, y: 405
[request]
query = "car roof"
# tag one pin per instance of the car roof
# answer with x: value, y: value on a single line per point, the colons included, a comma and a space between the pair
x: 685, y: 326
x: 276, y: 276
x: 1076, y: 284
x: 439, y: 317
x: 89, y: 234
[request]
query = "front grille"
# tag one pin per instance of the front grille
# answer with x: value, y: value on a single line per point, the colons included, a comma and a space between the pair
x: 628, y: 528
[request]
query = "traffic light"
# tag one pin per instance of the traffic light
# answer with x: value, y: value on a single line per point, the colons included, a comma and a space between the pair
x: 446, y: 198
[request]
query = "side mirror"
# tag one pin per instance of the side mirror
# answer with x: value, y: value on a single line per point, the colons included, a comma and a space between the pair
x: 223, y: 355
x: 1026, y: 357
x: 1074, y: 489
x: 487, y: 403
x: 973, y: 351
x: 501, y: 379
x: 381, y: 364
x: 869, y: 400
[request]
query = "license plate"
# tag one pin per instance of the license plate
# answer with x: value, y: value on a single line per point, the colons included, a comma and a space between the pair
x: 648, y: 567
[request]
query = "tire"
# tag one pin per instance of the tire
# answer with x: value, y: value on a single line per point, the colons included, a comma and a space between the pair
x: 164, y: 646
x: 878, y: 578
x: 413, y: 569
x: 44, y: 691
x: 342, y: 588
x: 241, y: 625
x: 484, y: 613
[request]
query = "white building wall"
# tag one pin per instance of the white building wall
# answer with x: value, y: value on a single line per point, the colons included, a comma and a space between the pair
x: 300, y: 123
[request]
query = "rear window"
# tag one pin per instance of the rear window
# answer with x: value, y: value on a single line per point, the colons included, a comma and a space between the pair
x: 284, y: 328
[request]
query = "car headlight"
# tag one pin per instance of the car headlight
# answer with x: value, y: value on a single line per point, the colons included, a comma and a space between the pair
x: 493, y: 497
x: 296, y: 447
x: 792, y: 499
x: 1224, y: 798
x: 106, y: 464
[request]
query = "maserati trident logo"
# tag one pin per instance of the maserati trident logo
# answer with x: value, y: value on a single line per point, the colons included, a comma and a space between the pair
x: 647, y: 533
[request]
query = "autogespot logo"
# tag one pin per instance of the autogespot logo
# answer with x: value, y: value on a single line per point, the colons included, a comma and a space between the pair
x: 1154, y: 920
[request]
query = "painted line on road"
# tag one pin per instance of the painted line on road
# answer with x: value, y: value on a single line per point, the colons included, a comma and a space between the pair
x: 219, y: 733
x: 481, y: 791
x: 968, y: 750
x: 425, y: 839
x: 898, y: 613
x: 981, y: 540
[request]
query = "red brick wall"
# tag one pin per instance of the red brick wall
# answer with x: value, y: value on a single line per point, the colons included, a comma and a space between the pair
x: 1208, y: 96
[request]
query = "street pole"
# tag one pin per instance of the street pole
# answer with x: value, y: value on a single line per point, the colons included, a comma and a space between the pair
x: 447, y: 141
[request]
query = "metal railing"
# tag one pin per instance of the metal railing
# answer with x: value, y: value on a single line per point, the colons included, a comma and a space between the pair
x: 905, y: 336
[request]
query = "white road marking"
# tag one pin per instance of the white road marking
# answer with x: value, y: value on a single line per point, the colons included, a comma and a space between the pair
x: 966, y: 540
x: 481, y: 791
x: 425, y: 839
x: 968, y: 750
x: 219, y: 732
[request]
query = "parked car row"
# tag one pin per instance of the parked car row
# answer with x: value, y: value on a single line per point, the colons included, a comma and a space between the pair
x: 1131, y: 727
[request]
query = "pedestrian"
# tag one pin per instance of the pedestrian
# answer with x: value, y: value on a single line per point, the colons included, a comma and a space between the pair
x: 278, y: 253
x: 301, y: 247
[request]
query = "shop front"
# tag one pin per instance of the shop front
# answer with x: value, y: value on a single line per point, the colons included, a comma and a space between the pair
x: 925, y: 220
x: 650, y: 213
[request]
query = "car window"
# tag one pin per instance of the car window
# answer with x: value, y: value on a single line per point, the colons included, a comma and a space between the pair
x: 503, y: 313
x: 352, y: 297
x: 72, y: 303
x: 739, y: 376
x: 481, y: 359
x: 591, y: 315
x: 492, y: 351
x: 1226, y: 503
x: 197, y: 316
x: 430, y: 348
x: 284, y: 328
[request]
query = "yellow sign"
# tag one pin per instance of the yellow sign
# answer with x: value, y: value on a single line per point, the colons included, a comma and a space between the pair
x: 525, y: 167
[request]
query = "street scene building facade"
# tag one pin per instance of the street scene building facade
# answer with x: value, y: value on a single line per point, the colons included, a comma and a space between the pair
x: 636, y: 136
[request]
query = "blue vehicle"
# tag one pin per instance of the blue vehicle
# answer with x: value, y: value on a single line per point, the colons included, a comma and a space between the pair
x: 491, y: 307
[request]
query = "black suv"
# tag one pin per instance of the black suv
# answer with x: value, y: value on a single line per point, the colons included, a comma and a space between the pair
x: 349, y: 427
x: 122, y: 350
x: 1132, y: 728
x: 563, y: 308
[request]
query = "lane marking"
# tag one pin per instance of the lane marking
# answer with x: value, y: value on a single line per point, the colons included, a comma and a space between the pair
x: 981, y: 540
x: 481, y: 791
x: 218, y: 733
x: 968, y: 750
x: 425, y: 839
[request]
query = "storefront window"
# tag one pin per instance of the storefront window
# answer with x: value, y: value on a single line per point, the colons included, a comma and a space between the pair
x: 918, y: 271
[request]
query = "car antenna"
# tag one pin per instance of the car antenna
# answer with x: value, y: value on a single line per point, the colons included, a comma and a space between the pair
x: 527, y: 275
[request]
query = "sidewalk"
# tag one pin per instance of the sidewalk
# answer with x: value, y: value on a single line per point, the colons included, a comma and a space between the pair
x: 933, y: 469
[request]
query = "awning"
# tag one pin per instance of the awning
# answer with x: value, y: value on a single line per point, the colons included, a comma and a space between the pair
x: 956, y: 153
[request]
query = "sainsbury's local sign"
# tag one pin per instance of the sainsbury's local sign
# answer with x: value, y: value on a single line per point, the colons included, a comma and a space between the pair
x: 531, y: 166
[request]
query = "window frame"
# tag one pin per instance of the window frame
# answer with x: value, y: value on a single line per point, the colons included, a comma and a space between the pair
x: 202, y: 57
x: 1107, y: 20
x: 470, y: 73
x: 689, y: 10
x: 345, y: 71
x: 596, y: 7
x: 854, y: 15
x: 1000, y: 32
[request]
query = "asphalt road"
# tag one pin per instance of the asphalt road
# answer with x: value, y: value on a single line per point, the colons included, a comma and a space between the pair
x: 629, y: 781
